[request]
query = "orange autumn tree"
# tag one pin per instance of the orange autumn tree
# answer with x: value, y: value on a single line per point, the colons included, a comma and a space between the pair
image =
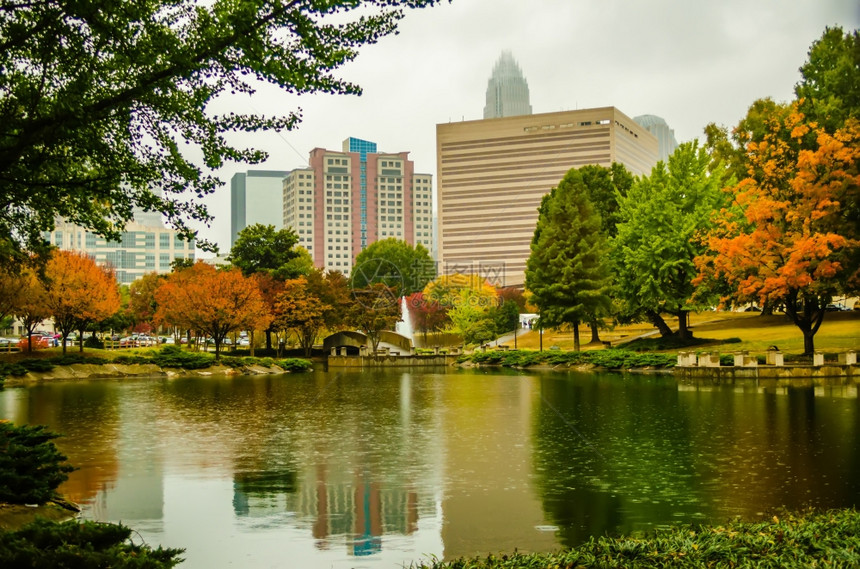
x: 211, y: 301
x: 78, y: 292
x: 29, y: 305
x: 791, y: 236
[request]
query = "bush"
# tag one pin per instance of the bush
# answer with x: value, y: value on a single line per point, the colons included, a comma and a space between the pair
x: 31, y: 467
x: 80, y: 544
x: 174, y: 356
x: 609, y: 359
x: 294, y: 364
x: 809, y: 539
x: 93, y: 341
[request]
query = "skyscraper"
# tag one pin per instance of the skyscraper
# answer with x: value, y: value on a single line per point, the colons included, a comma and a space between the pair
x: 492, y: 175
x: 665, y: 135
x: 507, y: 90
x: 256, y: 196
x: 345, y: 200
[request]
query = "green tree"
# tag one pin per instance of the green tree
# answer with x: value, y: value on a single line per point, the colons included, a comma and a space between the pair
x: 567, y: 273
x: 604, y: 187
x: 102, y: 108
x: 31, y: 467
x: 394, y: 263
x: 264, y: 249
x: 663, y: 218
x: 829, y: 90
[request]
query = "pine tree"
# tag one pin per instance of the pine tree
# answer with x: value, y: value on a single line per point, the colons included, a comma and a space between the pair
x: 567, y: 271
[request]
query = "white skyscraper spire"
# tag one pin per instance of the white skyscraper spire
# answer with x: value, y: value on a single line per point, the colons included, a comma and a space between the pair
x: 507, y: 90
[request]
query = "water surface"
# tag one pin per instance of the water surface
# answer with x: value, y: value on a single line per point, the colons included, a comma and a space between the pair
x: 377, y: 469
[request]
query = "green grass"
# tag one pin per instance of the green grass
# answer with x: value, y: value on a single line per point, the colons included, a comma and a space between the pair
x: 788, y: 540
x: 839, y: 332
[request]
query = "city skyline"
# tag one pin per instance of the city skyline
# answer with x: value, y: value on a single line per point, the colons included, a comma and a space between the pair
x: 689, y: 64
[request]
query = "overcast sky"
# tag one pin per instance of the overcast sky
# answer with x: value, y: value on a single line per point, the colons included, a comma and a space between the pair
x: 689, y: 61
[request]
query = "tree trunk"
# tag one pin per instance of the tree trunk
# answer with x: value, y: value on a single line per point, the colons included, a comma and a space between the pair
x: 658, y: 323
x: 269, y: 340
x: 595, y: 332
x: 576, y: 336
x: 683, y: 330
x: 251, y: 342
x: 806, y: 313
x: 81, y: 340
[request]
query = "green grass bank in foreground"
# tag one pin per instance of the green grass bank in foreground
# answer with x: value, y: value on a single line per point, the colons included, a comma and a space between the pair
x: 789, y: 540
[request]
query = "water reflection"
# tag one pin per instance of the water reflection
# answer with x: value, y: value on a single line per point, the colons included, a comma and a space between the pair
x: 377, y: 469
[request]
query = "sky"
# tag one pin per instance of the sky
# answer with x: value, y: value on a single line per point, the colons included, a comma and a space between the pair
x: 691, y: 62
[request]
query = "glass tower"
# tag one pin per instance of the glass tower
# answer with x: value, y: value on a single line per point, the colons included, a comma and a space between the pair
x: 363, y: 148
x: 507, y: 90
x: 665, y: 135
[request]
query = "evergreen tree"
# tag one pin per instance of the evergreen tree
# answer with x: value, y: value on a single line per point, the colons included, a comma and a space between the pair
x: 31, y: 467
x: 567, y: 271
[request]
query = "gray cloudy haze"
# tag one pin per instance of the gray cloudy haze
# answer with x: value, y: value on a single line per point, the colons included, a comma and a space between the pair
x: 689, y: 61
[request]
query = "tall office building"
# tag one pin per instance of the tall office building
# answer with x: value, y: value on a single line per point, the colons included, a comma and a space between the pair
x: 507, y: 90
x: 345, y: 200
x: 665, y: 136
x: 146, y: 246
x: 492, y: 174
x: 256, y: 196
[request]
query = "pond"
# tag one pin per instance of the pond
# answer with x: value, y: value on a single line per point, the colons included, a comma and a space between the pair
x: 378, y: 469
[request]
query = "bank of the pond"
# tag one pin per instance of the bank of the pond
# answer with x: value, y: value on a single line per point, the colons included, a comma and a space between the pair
x: 168, y: 362
x: 16, y: 516
x: 806, y: 539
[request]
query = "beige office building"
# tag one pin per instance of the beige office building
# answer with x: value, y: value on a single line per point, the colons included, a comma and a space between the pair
x: 492, y: 174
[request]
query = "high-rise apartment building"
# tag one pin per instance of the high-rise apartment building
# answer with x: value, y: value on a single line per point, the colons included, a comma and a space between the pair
x: 507, y: 90
x: 345, y: 200
x: 256, y: 196
x: 665, y: 136
x: 146, y: 246
x: 492, y: 174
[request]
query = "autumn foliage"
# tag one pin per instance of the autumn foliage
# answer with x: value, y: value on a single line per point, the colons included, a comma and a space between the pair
x: 791, y: 234
x: 78, y: 292
x: 211, y: 301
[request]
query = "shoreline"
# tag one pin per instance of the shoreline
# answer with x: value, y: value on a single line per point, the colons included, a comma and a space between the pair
x: 84, y: 372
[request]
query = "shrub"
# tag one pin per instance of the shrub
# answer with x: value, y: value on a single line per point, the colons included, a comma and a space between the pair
x: 80, y: 544
x: 809, y: 539
x: 294, y: 364
x: 93, y: 341
x: 31, y: 467
x: 174, y: 356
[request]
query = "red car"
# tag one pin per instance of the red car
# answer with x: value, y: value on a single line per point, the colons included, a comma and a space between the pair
x: 39, y: 342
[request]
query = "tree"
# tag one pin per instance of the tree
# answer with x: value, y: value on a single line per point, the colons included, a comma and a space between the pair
x: 11, y: 291
x: 566, y: 272
x: 427, y: 316
x: 301, y: 311
x: 101, y: 109
x: 31, y: 467
x: 829, y: 90
x: 78, y: 292
x: 142, y: 305
x: 30, y: 307
x: 604, y: 188
x: 663, y: 216
x: 211, y: 301
x: 786, y: 237
x: 263, y: 249
x: 394, y: 263
x: 375, y: 309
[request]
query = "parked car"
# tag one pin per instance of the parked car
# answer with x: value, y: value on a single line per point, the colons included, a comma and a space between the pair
x: 39, y: 342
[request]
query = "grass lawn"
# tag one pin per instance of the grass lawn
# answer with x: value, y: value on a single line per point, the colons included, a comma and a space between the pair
x: 839, y: 332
